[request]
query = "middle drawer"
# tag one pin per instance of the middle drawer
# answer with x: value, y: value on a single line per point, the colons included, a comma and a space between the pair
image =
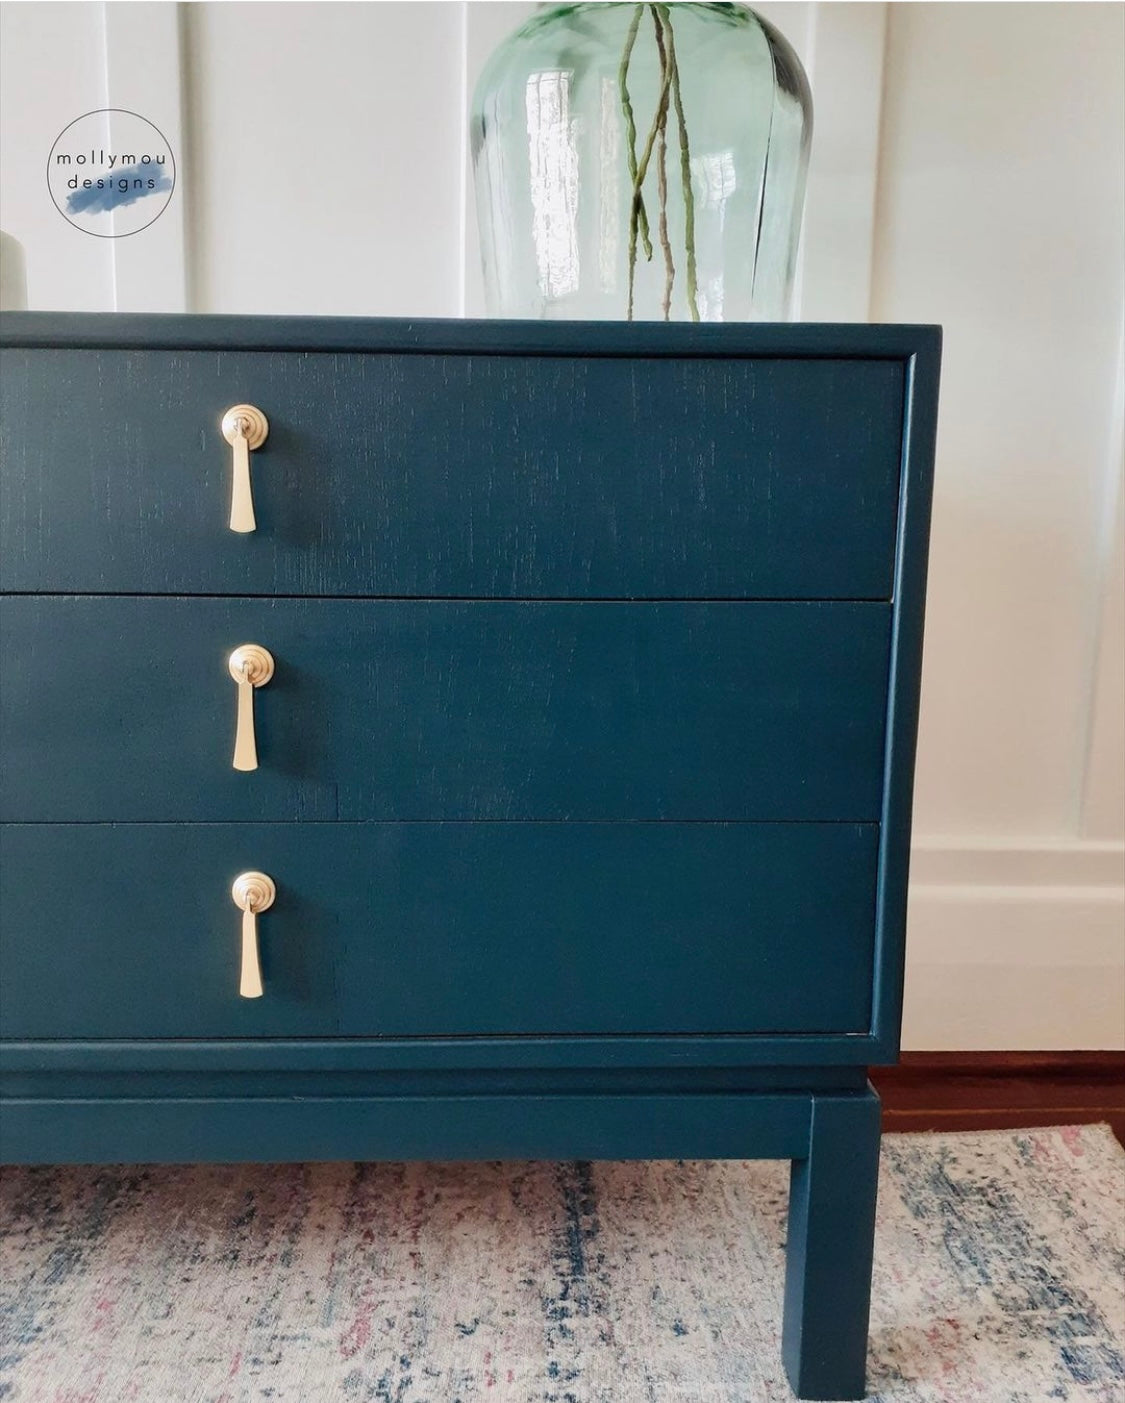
x: 123, y: 708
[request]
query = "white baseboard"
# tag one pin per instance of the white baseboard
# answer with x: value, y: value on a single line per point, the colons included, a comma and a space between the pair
x: 1015, y: 947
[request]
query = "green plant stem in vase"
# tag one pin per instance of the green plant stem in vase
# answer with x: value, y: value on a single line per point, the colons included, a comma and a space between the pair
x: 583, y: 207
x: 638, y: 217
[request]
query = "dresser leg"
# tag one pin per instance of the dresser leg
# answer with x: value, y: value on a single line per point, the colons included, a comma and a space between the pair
x: 828, y: 1257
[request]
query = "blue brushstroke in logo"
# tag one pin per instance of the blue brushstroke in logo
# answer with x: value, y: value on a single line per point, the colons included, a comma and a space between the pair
x: 123, y: 187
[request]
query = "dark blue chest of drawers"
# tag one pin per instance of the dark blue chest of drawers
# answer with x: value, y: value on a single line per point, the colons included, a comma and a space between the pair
x: 583, y: 772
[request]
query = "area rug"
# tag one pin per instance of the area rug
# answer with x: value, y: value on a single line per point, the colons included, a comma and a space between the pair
x: 999, y: 1273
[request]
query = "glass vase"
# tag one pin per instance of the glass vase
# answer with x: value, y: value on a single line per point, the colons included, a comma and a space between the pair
x: 641, y: 162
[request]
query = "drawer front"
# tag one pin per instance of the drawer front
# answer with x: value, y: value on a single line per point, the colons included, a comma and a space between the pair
x: 453, y: 475
x: 129, y: 931
x: 124, y: 709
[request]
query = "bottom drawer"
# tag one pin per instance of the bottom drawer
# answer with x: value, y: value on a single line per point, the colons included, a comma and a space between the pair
x: 415, y: 929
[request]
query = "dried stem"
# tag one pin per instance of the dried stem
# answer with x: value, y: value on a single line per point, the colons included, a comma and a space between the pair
x: 670, y: 96
x: 638, y: 217
x: 685, y: 168
x: 662, y: 165
x: 660, y: 120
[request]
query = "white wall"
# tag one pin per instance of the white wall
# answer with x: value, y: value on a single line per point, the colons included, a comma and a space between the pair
x: 67, y: 269
x: 999, y: 213
x: 967, y: 169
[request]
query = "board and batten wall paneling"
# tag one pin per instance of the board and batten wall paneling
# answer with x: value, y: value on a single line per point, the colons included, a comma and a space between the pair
x: 143, y: 73
x: 1000, y: 214
x: 52, y: 70
x: 966, y: 168
x: 327, y: 146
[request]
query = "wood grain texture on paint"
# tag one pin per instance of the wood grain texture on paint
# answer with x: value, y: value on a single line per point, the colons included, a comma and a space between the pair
x: 413, y: 709
x: 416, y: 929
x: 469, y: 476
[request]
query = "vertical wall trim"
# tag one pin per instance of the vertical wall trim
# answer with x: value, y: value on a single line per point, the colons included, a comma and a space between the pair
x: 844, y: 56
x: 1099, y: 765
x: 107, y: 102
x: 189, y: 108
x: 143, y: 75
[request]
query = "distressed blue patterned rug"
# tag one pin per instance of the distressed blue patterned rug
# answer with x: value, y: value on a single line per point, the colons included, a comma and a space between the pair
x: 999, y: 1272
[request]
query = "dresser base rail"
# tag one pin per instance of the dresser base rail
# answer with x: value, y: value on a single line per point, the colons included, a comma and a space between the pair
x: 831, y: 1138
x: 136, y: 1129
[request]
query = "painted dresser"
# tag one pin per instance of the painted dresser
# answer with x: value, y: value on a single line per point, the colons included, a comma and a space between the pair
x: 465, y: 740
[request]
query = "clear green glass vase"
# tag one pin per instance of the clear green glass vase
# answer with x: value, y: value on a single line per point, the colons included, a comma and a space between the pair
x: 641, y: 162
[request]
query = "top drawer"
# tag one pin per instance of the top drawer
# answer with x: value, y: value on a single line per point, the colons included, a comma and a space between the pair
x: 452, y: 474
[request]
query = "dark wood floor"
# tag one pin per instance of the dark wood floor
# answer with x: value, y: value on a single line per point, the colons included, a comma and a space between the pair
x: 1002, y: 1090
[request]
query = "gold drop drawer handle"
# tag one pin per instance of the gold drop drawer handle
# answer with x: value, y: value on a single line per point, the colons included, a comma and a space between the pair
x: 250, y: 666
x: 252, y: 892
x: 244, y: 428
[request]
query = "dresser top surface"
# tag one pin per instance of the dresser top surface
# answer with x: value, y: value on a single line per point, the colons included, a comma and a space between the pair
x: 123, y: 330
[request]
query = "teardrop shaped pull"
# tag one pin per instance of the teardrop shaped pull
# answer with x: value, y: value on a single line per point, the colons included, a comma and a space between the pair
x: 251, y: 666
x: 252, y: 893
x: 244, y: 428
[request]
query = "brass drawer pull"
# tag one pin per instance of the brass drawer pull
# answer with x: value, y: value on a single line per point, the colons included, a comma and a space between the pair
x: 252, y: 892
x: 244, y: 428
x: 251, y: 666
